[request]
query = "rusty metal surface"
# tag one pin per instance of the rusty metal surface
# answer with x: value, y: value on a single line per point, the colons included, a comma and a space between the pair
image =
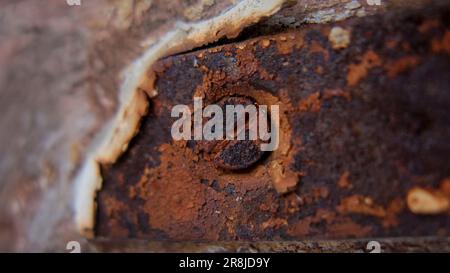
x: 365, y: 114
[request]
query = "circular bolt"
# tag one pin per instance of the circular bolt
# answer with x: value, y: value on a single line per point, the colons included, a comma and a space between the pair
x: 234, y: 154
x: 238, y: 155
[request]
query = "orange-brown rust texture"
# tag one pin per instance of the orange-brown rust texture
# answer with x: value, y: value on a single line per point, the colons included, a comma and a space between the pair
x: 360, y: 70
x: 360, y: 127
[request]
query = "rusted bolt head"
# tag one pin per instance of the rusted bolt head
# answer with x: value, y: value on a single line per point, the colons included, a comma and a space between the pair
x: 238, y: 155
x: 234, y: 154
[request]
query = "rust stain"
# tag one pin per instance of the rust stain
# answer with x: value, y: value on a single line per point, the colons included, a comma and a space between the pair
x: 288, y: 42
x: 310, y: 104
x: 316, y: 47
x: 336, y: 227
x: 304, y: 226
x: 344, y: 181
x: 361, y: 205
x: 337, y: 93
x: 274, y: 223
x: 393, y: 210
x: 428, y: 25
x: 357, y: 72
x: 401, y: 65
x: 349, y: 229
x: 441, y: 45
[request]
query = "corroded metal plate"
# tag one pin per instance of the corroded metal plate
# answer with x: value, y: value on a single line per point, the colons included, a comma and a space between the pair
x: 364, y: 126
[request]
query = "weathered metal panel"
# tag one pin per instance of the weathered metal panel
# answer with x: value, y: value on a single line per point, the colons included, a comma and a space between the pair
x: 364, y: 126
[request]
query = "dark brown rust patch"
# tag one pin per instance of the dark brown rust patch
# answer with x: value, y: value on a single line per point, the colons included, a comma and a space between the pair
x: 356, y: 135
x: 233, y: 154
x: 238, y: 155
